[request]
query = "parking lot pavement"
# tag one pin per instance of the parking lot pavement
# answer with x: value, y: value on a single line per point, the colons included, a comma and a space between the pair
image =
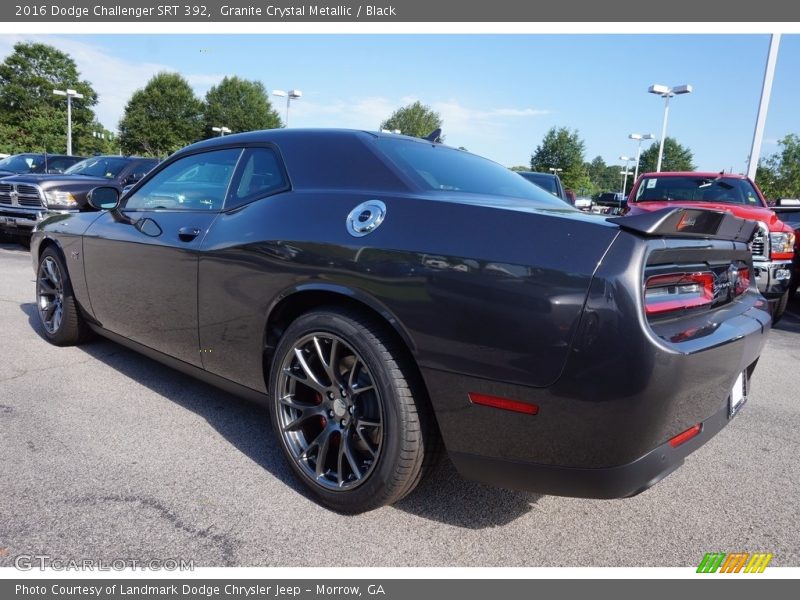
x: 106, y: 454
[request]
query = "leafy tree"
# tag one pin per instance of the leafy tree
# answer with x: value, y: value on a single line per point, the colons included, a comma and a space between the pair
x: 161, y: 118
x: 416, y: 120
x: 239, y: 105
x: 676, y: 157
x: 778, y: 176
x: 32, y: 118
x: 562, y: 149
x: 520, y: 168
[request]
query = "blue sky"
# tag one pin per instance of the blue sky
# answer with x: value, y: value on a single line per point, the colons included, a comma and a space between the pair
x: 497, y: 94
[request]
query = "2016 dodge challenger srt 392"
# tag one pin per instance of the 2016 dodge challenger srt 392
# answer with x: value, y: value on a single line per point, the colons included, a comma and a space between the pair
x: 383, y: 295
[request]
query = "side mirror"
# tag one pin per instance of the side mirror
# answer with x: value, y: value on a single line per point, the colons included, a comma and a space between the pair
x: 104, y: 198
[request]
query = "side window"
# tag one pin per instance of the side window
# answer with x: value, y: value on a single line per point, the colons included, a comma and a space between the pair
x: 260, y: 175
x: 195, y: 182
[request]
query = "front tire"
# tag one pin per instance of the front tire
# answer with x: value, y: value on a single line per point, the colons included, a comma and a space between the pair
x: 58, y: 311
x: 351, y: 417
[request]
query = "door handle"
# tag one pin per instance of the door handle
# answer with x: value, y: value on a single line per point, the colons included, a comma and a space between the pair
x: 187, y: 234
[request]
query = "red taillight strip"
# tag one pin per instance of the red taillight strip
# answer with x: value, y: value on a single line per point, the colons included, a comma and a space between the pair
x: 704, y: 298
x: 503, y: 403
x: 686, y: 435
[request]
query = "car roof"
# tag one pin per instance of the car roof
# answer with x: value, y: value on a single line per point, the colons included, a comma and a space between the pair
x: 276, y: 135
x: 708, y: 174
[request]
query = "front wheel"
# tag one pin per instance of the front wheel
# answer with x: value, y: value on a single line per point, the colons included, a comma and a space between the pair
x: 58, y: 311
x: 352, y: 419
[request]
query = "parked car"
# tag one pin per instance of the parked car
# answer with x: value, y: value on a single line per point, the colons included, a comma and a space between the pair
x: 26, y: 200
x: 379, y: 293
x: 613, y: 203
x: 20, y: 164
x: 549, y: 182
x: 788, y: 211
x: 584, y: 203
x: 773, y: 244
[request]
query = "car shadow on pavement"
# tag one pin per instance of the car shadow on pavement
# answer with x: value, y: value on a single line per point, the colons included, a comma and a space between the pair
x: 443, y: 496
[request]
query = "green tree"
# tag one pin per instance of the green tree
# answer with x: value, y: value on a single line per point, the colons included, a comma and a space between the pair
x: 562, y: 149
x: 520, y: 168
x: 161, y: 118
x: 604, y: 177
x: 778, y: 176
x: 32, y: 118
x: 416, y: 120
x: 240, y: 105
x: 676, y: 157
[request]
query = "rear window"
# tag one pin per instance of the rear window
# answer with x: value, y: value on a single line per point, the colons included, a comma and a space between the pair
x: 698, y: 189
x: 543, y: 180
x: 441, y: 168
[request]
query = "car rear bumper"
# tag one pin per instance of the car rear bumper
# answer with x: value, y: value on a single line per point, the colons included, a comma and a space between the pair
x: 611, y: 482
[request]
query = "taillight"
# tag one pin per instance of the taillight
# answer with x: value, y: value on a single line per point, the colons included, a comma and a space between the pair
x: 742, y: 281
x: 678, y: 291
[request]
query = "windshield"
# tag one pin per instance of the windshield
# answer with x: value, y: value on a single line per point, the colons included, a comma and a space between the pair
x: 543, y: 180
x: 441, y: 168
x: 725, y: 190
x: 22, y: 163
x: 99, y: 166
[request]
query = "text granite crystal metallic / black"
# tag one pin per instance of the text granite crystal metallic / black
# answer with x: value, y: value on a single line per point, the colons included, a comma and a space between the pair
x: 382, y: 295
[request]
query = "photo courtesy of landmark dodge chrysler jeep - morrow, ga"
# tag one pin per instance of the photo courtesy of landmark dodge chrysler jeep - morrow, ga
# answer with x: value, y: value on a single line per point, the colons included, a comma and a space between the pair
x: 380, y: 293
x: 773, y: 244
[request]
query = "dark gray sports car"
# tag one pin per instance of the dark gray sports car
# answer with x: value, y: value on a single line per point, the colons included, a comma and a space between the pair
x: 382, y: 294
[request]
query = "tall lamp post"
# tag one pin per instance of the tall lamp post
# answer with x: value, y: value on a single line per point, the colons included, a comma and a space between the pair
x: 554, y: 170
x: 70, y: 94
x: 666, y: 93
x: 639, y: 137
x: 290, y: 95
x: 627, y: 160
x: 220, y: 130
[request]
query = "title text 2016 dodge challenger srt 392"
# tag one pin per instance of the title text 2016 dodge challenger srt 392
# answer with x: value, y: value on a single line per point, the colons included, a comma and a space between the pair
x: 382, y: 294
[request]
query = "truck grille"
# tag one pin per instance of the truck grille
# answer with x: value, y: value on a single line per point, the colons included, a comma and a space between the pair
x: 759, y: 247
x: 5, y: 193
x: 20, y: 195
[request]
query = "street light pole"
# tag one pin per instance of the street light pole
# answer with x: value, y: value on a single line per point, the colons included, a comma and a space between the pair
x: 290, y: 95
x: 555, y: 170
x: 639, y: 137
x: 221, y: 130
x: 627, y: 160
x: 666, y: 93
x: 70, y: 94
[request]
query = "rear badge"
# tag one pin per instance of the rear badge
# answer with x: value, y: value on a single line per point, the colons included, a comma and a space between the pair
x: 366, y: 218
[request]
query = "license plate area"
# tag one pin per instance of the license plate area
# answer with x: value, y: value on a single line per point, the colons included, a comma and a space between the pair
x: 738, y: 395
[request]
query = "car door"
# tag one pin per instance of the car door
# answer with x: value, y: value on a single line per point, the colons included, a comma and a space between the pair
x: 141, y: 260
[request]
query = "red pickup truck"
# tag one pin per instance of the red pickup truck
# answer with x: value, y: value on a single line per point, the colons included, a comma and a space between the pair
x: 773, y: 245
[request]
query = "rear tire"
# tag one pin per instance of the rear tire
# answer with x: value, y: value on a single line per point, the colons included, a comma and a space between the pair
x: 58, y: 311
x: 352, y: 418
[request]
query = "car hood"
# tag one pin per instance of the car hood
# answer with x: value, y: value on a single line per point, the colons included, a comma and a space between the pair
x: 48, y: 182
x: 755, y: 213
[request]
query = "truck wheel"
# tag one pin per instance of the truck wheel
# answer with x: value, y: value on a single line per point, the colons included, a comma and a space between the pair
x: 780, y: 308
x: 58, y: 312
x: 352, y: 420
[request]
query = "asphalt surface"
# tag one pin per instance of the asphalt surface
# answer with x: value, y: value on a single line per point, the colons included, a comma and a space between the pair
x: 106, y: 454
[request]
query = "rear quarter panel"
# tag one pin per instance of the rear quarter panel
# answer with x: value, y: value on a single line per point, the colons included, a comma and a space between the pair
x: 474, y: 289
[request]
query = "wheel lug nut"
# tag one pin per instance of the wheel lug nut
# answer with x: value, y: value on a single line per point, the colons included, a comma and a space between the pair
x: 342, y: 423
x: 330, y: 413
x: 351, y: 410
x: 330, y: 395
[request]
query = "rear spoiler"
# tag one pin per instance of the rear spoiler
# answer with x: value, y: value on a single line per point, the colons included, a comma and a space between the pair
x: 689, y: 223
